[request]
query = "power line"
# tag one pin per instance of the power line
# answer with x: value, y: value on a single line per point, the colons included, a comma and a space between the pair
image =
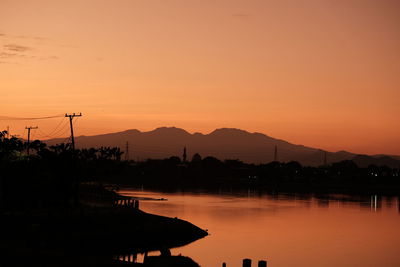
x: 58, y: 125
x: 9, y: 118
x: 33, y: 135
x: 76, y: 124
x: 57, y: 133
x: 62, y: 130
x: 43, y: 135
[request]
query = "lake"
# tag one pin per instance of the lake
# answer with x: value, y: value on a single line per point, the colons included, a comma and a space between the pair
x: 286, y: 230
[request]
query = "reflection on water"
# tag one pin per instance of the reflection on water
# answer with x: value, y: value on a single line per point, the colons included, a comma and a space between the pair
x: 286, y: 230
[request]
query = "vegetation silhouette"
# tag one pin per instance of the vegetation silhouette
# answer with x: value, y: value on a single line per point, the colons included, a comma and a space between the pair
x: 50, y: 206
x: 212, y: 173
x: 46, y: 198
x: 225, y: 143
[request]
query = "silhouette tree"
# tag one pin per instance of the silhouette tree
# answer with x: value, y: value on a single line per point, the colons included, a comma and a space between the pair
x: 196, y: 158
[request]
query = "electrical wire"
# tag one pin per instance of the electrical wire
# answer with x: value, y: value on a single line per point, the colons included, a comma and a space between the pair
x: 9, y: 118
x: 62, y: 130
x: 57, y: 133
x: 33, y: 134
x: 76, y: 124
x: 66, y: 140
x: 54, y: 132
x: 55, y: 129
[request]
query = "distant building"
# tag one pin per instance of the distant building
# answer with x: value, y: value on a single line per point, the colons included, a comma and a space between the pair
x: 184, y: 156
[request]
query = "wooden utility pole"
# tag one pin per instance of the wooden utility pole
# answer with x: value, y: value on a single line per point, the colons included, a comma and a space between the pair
x: 71, y: 117
x: 29, y: 137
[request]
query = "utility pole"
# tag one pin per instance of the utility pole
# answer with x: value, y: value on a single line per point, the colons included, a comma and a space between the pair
x: 127, y: 151
x: 71, y: 117
x: 29, y: 136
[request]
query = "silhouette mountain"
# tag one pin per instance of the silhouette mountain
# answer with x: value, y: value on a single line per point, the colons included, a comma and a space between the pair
x: 224, y: 143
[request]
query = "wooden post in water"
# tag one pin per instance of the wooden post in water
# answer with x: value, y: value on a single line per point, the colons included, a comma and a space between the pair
x: 246, y: 262
x: 262, y: 263
x: 137, y: 204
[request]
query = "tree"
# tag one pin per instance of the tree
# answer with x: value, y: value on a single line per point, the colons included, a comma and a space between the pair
x: 196, y: 158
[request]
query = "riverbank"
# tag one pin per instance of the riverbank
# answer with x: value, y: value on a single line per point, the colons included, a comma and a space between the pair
x: 90, y: 234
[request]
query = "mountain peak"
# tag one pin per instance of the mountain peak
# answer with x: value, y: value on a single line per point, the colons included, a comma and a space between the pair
x: 131, y: 131
x: 224, y: 143
x: 228, y: 131
x: 169, y: 130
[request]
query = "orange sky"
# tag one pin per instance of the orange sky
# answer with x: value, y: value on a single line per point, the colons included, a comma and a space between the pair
x: 323, y: 73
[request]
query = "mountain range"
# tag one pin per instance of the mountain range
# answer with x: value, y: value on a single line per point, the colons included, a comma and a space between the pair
x: 224, y: 143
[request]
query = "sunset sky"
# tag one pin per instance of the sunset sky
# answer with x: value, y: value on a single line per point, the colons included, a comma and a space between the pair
x: 323, y: 73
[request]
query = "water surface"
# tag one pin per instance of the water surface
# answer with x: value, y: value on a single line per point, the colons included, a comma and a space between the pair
x: 285, y: 230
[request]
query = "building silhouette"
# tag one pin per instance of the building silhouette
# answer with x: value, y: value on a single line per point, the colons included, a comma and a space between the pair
x: 184, y: 156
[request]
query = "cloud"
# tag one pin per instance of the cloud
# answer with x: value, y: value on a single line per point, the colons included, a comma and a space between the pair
x: 37, y: 38
x: 24, y: 48
x: 7, y: 55
x: 10, y: 36
x: 16, y: 48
